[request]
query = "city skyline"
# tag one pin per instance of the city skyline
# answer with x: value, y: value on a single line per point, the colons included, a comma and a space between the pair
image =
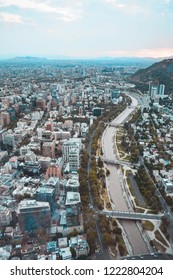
x: 80, y: 28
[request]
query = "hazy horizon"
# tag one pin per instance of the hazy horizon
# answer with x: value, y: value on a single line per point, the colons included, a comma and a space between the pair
x: 48, y: 57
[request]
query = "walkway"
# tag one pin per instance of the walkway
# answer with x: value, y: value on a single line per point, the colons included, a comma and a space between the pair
x: 132, y: 215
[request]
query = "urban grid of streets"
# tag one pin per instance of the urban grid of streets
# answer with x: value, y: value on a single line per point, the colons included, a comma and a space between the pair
x: 136, y: 240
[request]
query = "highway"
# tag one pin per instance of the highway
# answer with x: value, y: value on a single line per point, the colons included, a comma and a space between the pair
x: 136, y: 241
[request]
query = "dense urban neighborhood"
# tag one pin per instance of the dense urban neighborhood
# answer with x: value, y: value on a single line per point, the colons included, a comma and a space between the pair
x: 86, y: 161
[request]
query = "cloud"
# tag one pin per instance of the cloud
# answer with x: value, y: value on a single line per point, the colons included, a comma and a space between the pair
x: 156, y: 53
x: 162, y: 52
x: 11, y: 18
x: 129, y: 6
x: 116, y: 3
x: 66, y: 13
x: 145, y: 7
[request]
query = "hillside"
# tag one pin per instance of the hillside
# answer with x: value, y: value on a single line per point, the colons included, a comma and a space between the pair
x: 161, y: 71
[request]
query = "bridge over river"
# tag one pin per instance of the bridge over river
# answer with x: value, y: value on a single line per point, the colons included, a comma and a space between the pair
x: 132, y: 215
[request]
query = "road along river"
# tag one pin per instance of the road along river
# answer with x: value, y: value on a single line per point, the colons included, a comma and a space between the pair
x: 135, y: 239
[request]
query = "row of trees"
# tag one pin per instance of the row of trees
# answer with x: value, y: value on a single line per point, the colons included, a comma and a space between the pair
x: 112, y: 234
x: 91, y: 172
x: 147, y: 189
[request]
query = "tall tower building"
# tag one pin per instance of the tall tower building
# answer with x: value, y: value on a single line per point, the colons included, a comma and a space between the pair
x: 153, y: 88
x: 69, y: 145
x: 74, y: 159
x: 162, y: 90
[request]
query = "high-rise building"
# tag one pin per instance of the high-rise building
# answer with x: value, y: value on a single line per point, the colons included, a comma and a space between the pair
x: 8, y: 139
x: 154, y: 91
x: 162, y: 90
x: 116, y: 93
x: 46, y: 194
x: 5, y: 216
x: 12, y: 113
x: 153, y: 88
x: 70, y: 145
x: 74, y: 159
x: 72, y: 205
x: 48, y: 149
x: 33, y: 215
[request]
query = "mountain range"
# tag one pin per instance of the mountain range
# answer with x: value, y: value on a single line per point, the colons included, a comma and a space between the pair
x: 161, y: 71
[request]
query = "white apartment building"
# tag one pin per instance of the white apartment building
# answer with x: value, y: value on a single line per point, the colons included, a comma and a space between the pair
x: 71, y: 150
x: 73, y: 159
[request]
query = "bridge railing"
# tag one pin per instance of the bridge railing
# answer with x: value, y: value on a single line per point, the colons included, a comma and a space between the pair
x: 133, y: 215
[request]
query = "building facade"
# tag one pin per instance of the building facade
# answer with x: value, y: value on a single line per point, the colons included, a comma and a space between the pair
x: 33, y: 215
x: 5, y: 216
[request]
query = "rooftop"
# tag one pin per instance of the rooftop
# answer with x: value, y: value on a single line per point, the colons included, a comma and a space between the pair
x: 32, y: 204
x: 72, y: 198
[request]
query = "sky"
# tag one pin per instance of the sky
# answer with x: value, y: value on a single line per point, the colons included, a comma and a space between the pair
x: 86, y: 28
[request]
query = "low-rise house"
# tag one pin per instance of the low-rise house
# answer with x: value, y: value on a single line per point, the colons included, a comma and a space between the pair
x: 167, y: 185
x: 80, y: 246
x: 66, y: 253
x: 62, y: 242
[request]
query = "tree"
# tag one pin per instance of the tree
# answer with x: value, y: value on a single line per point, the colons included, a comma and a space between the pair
x: 121, y: 249
x: 117, y: 230
x: 73, y: 233
x: 169, y: 200
x: 100, y: 162
x: 107, y: 172
x: 108, y: 239
x: 101, y: 173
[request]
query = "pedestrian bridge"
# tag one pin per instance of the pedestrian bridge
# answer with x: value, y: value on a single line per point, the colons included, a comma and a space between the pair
x: 127, y: 215
x: 111, y: 161
x: 116, y: 161
x: 115, y: 125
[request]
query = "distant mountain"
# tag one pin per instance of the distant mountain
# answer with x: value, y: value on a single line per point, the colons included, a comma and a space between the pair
x: 124, y: 60
x: 130, y: 59
x: 26, y: 59
x: 161, y: 71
